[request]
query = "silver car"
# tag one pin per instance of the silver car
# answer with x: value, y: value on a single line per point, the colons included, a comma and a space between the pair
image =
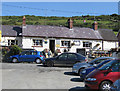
x: 79, y: 66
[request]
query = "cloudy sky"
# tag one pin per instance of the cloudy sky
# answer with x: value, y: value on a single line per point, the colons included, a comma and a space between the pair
x: 60, y: 0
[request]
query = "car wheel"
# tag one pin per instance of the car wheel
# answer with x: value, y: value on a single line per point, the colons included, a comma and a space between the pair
x: 38, y: 61
x: 80, y: 71
x: 14, y: 60
x: 105, y: 86
x: 50, y: 64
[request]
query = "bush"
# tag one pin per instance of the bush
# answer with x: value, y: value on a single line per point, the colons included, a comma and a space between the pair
x: 14, y: 50
x: 6, y: 52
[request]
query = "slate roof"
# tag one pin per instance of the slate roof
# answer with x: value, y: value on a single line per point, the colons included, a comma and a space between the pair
x: 8, y: 30
x: 58, y: 32
x: 108, y: 35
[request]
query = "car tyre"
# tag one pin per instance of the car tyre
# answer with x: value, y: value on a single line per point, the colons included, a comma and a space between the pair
x: 50, y: 64
x: 14, y: 60
x: 80, y: 71
x: 38, y: 61
x: 105, y: 86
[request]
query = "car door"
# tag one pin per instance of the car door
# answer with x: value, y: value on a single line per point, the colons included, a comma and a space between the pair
x: 72, y: 59
x: 115, y: 74
x: 61, y: 60
x: 23, y: 56
x: 32, y: 56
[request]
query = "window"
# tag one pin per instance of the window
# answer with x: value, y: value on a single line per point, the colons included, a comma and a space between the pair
x: 12, y: 42
x: 65, y: 43
x: 63, y: 57
x: 115, y: 67
x: 25, y: 53
x: 37, y: 42
x: 33, y: 53
x: 87, y: 44
x: 72, y: 57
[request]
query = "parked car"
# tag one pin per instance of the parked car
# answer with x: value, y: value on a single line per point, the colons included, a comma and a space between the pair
x: 28, y: 56
x: 116, y: 86
x: 103, y: 77
x: 79, y: 66
x: 64, y: 59
x: 86, y: 71
x: 116, y: 54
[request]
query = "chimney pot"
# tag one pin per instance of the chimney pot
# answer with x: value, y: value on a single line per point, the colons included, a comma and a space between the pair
x: 95, y: 25
x: 70, y: 23
x: 24, y: 21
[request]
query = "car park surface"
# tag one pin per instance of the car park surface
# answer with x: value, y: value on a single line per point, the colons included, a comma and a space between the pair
x: 28, y: 56
x: 79, y: 66
x: 36, y: 76
x: 64, y: 59
x: 103, y: 77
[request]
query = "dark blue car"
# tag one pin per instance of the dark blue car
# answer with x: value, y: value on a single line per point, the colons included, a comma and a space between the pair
x: 86, y: 71
x: 28, y: 56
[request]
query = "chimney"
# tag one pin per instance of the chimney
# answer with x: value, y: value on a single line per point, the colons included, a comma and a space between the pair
x: 24, y: 21
x: 70, y: 23
x: 95, y: 25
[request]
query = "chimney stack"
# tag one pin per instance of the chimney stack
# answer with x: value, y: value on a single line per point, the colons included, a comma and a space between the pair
x: 95, y: 25
x: 24, y: 21
x: 70, y: 23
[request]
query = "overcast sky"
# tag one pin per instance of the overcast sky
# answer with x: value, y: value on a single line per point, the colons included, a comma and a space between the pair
x: 60, y: 0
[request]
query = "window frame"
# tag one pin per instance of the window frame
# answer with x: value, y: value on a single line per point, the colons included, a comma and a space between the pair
x: 66, y: 43
x: 87, y: 44
x: 39, y: 41
x: 10, y: 42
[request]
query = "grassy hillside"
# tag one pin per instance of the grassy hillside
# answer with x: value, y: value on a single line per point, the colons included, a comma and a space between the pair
x: 104, y: 21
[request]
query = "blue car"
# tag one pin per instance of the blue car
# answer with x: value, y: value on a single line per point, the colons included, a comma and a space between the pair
x: 28, y: 56
x: 86, y: 71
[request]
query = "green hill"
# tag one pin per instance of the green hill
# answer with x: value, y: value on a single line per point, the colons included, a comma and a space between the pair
x: 104, y: 21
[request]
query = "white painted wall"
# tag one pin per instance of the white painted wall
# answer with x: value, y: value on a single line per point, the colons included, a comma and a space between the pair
x: 4, y: 40
x: 108, y: 45
x: 27, y: 42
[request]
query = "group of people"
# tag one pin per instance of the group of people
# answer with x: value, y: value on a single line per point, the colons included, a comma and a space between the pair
x: 47, y: 53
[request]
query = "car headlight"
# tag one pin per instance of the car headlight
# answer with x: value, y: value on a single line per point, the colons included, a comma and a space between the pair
x: 83, y: 71
x: 75, y: 66
x: 91, y: 79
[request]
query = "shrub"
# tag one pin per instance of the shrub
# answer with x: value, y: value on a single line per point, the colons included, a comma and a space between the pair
x: 14, y: 50
x: 6, y: 52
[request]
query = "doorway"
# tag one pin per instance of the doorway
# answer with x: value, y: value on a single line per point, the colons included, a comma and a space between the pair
x: 81, y: 51
x: 52, y: 45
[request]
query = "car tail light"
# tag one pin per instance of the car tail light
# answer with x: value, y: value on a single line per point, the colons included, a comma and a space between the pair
x: 41, y: 56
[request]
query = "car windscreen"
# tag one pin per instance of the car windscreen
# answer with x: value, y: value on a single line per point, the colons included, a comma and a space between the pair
x: 108, y: 65
x: 102, y: 63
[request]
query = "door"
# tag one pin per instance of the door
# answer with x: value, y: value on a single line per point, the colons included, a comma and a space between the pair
x: 23, y: 56
x: 61, y: 60
x: 32, y: 56
x: 52, y: 45
x: 81, y: 51
x: 72, y: 59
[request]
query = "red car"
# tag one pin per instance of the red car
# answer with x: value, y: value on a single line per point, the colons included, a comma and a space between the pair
x: 103, y: 77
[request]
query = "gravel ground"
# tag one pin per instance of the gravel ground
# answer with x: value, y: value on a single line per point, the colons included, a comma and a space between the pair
x: 35, y: 76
